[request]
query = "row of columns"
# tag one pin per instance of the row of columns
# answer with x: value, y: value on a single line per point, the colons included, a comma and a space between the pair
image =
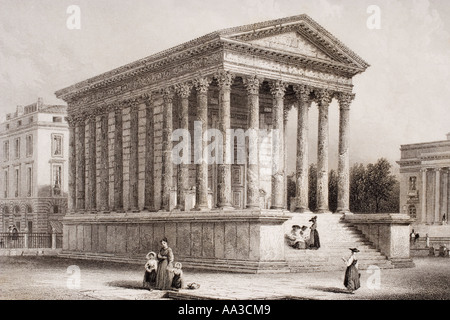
x: 305, y: 96
x: 439, y: 210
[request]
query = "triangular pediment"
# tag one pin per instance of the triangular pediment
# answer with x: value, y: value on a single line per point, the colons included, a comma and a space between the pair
x: 299, y: 35
x: 291, y: 42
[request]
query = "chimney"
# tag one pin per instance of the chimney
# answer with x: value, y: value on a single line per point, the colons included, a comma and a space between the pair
x: 19, y: 111
x: 40, y: 102
x: 448, y: 136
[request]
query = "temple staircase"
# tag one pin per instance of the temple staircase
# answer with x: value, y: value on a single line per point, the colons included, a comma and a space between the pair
x: 336, y: 237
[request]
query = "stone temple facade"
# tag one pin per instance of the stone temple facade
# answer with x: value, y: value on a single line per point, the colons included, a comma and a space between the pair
x: 125, y: 191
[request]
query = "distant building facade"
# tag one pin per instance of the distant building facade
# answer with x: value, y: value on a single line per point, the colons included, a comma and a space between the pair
x: 33, y: 159
x: 424, y: 182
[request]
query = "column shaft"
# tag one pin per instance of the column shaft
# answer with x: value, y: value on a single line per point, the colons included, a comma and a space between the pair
x: 423, y: 199
x: 167, y: 167
x: 80, y: 164
x: 92, y: 183
x: 253, y: 85
x: 72, y: 196
x: 149, y: 160
x: 104, y: 164
x: 302, y: 175
x: 343, y: 205
x: 183, y: 91
x: 118, y: 160
x: 322, y: 152
x: 201, y: 196
x: 437, y: 197
x: 278, y: 170
x: 224, y: 168
x: 134, y: 158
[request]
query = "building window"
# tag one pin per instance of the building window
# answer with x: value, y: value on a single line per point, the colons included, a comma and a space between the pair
x: 29, y: 145
x: 57, y: 180
x: 6, y: 183
x: 16, y: 182
x: 7, y: 126
x: 57, y: 141
x: 6, y: 150
x: 57, y: 119
x: 30, y: 120
x: 17, y: 148
x: 29, y: 181
x: 55, y: 209
x: 19, y: 123
x: 412, y: 211
x: 412, y: 183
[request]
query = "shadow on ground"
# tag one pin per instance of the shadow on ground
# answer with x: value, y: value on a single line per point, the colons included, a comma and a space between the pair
x: 331, y: 290
x: 126, y: 284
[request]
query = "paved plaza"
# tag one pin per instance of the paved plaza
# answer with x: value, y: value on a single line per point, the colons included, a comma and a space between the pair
x: 30, y: 278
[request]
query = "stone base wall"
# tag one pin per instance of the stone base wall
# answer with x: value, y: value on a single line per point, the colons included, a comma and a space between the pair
x: 241, y: 241
x: 389, y: 233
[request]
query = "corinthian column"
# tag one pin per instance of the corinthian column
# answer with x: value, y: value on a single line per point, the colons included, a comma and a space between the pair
x: 72, y: 197
x: 225, y: 80
x: 278, y: 90
x: 134, y: 157
x: 149, y: 194
x: 183, y: 91
x: 167, y: 165
x: 252, y: 85
x: 92, y: 183
x: 302, y: 177
x: 104, y: 164
x: 324, y: 98
x: 118, y: 159
x: 80, y: 164
x: 201, y: 195
x: 343, y: 200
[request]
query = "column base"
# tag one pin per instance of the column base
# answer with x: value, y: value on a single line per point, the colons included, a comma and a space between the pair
x: 225, y: 207
x: 302, y: 210
x: 323, y: 211
x: 200, y: 209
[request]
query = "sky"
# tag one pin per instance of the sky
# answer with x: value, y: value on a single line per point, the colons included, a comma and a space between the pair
x: 402, y: 98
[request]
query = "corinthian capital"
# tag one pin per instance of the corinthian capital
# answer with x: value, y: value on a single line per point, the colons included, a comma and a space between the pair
x: 202, y: 85
x: 168, y: 94
x: 252, y: 84
x: 224, y: 79
x: 71, y: 120
x: 323, y: 97
x: 183, y: 90
x: 278, y: 88
x: 345, y: 99
x: 302, y: 92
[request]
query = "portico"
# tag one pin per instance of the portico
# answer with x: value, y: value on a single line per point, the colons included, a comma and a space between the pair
x: 127, y: 190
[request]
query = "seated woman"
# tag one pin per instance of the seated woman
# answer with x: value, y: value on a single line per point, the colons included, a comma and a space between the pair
x: 295, y: 239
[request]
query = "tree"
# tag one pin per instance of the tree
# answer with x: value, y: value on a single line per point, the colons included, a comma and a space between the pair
x: 332, y: 190
x: 379, y: 183
x: 358, y: 201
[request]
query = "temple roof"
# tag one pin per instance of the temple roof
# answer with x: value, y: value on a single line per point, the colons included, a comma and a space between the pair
x: 317, y: 46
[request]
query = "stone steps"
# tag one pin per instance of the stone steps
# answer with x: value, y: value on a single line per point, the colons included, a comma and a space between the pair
x: 336, y: 237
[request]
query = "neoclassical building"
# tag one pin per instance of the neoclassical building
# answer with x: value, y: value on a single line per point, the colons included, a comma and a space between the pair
x: 424, y: 183
x: 34, y: 163
x: 125, y: 190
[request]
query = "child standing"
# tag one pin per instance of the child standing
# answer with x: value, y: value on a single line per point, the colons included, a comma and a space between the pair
x: 150, y: 271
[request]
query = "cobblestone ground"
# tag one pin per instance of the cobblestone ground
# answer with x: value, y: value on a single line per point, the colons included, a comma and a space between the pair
x: 49, y: 278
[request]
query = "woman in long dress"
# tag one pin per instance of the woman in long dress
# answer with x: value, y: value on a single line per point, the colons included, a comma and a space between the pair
x: 351, y: 280
x: 314, y: 240
x: 165, y: 264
